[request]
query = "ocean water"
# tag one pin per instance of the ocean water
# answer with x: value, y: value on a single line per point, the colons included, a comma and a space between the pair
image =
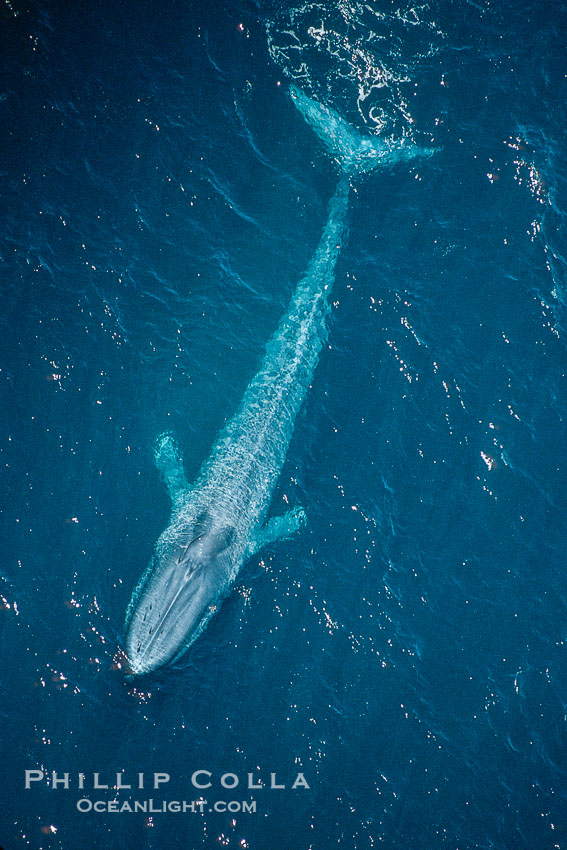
x: 406, y: 652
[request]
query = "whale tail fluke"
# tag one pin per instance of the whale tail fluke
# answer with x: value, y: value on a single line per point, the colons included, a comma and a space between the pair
x: 355, y: 153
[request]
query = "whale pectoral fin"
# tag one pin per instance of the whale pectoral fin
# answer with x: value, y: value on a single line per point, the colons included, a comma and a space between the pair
x: 170, y: 465
x: 278, y: 528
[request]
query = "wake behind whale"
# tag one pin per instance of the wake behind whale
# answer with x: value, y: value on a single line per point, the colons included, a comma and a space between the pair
x: 220, y: 521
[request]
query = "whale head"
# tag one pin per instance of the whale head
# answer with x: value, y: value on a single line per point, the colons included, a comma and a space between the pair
x: 177, y: 595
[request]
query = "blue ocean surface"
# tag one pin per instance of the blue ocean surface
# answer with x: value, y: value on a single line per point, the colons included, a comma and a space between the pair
x: 405, y: 653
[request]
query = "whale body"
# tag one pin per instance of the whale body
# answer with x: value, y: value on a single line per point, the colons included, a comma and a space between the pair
x: 220, y: 521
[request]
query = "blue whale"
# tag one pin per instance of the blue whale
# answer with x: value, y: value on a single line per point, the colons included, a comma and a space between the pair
x: 220, y: 521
